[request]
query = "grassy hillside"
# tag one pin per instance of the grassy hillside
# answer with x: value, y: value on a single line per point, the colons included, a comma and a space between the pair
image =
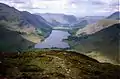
x: 16, y: 26
x: 23, y: 19
x: 38, y: 22
x: 54, y: 64
x: 95, y: 27
x: 13, y: 40
x: 106, y: 42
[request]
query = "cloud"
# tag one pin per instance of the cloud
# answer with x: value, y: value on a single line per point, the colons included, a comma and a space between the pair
x: 76, y: 7
x: 96, y: 7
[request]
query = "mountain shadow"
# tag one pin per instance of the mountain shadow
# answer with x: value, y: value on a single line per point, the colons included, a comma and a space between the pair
x: 106, y: 41
x: 12, y: 40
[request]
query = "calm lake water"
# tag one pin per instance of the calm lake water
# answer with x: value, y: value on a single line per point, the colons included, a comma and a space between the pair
x: 55, y: 40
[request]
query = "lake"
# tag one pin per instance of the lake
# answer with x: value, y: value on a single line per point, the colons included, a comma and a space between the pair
x: 55, y: 40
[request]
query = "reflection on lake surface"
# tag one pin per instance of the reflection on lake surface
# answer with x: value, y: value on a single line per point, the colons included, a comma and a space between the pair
x: 55, y: 40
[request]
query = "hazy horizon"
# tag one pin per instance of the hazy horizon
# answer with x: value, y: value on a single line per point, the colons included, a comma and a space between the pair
x: 79, y: 8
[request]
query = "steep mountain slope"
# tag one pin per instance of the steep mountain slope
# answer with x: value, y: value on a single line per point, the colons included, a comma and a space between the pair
x: 53, y: 64
x: 83, y: 22
x: 59, y: 19
x: 95, y: 27
x: 29, y: 26
x: 105, y: 41
x: 114, y: 16
x: 38, y: 22
x: 13, y: 40
x: 11, y: 14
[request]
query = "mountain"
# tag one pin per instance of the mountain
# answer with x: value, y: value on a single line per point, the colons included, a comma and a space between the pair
x: 95, y: 27
x: 84, y: 21
x: 114, y: 16
x: 11, y: 14
x: 105, y: 41
x: 54, y: 64
x: 59, y: 19
x: 91, y: 19
x: 13, y: 40
x: 38, y: 22
x: 30, y: 27
x: 99, y: 39
x: 80, y: 24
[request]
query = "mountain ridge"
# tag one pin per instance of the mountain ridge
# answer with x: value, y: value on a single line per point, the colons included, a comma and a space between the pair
x: 105, y: 41
x: 29, y: 26
x: 114, y: 16
x: 92, y: 28
x: 58, y: 19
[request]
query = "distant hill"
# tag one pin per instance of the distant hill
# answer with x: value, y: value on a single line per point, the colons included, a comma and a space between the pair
x: 84, y: 21
x: 30, y: 27
x: 95, y: 27
x: 92, y: 19
x: 80, y: 24
x: 59, y: 19
x: 114, y: 16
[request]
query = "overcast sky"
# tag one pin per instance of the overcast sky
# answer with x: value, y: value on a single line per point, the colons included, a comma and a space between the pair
x: 75, y: 7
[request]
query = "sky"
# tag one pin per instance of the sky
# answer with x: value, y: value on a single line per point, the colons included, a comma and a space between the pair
x: 73, y: 7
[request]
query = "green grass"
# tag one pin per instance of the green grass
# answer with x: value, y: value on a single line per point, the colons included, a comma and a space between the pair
x: 12, y: 40
x: 105, y: 41
x: 52, y: 64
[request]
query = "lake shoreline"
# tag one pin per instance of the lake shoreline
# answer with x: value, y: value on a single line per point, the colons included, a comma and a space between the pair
x: 55, y: 40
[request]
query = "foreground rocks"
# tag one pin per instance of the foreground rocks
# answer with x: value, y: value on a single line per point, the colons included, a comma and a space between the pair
x: 55, y: 64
